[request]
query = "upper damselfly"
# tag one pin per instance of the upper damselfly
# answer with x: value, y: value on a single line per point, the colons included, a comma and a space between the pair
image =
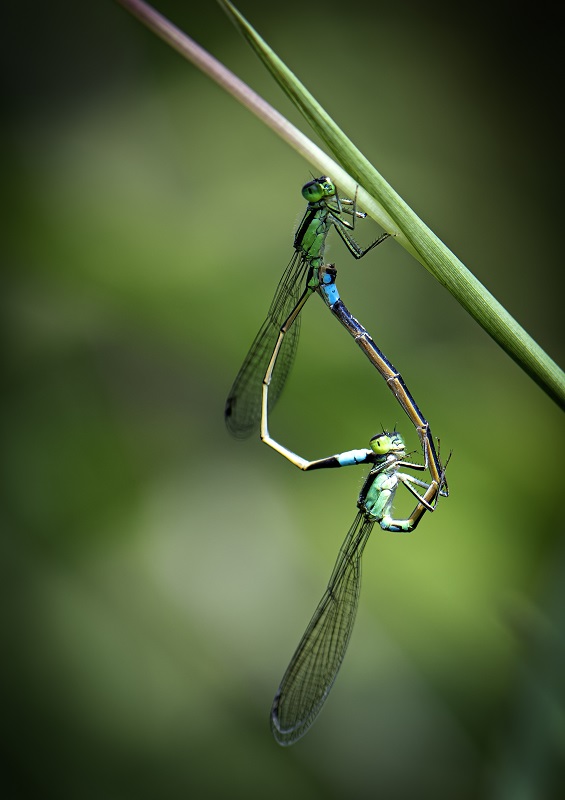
x: 300, y: 279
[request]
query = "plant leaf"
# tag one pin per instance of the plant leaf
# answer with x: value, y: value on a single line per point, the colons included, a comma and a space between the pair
x: 411, y: 231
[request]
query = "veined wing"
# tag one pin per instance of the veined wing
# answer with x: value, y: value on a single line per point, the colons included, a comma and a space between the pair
x: 243, y: 406
x: 316, y: 662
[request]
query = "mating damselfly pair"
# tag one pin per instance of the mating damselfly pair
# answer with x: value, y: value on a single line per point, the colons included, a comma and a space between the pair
x: 258, y: 385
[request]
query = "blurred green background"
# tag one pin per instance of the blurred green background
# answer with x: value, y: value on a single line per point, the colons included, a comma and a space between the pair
x: 157, y: 574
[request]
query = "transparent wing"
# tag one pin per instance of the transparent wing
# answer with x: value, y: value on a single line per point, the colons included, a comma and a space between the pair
x: 316, y: 662
x: 243, y: 406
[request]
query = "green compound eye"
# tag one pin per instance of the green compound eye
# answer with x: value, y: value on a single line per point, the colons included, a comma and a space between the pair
x: 384, y: 443
x: 316, y: 190
x: 312, y: 192
x: 381, y: 444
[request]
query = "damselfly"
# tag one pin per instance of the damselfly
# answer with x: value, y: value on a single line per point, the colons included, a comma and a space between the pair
x: 318, y: 657
x: 300, y: 279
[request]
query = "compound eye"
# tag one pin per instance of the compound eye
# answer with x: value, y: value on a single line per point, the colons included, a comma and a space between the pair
x: 380, y: 444
x: 313, y: 192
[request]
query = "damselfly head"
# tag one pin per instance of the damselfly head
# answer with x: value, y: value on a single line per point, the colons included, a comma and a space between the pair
x: 316, y: 190
x: 387, y: 442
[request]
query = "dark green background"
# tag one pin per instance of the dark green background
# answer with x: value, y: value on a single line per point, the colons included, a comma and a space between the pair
x: 158, y: 574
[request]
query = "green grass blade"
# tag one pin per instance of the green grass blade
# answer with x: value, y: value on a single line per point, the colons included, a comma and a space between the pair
x: 375, y: 195
x: 410, y: 230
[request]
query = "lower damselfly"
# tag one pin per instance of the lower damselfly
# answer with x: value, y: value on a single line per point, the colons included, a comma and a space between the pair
x: 318, y: 657
x: 314, y: 666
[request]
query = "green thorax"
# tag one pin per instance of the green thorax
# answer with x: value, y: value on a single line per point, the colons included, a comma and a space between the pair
x: 310, y: 239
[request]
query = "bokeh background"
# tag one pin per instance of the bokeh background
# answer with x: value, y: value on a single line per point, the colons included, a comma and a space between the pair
x: 157, y: 574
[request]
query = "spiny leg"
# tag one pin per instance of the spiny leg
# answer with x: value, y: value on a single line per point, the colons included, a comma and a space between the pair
x: 426, y: 503
x: 341, y: 225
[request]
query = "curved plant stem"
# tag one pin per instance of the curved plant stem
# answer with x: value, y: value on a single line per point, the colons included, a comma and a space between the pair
x: 375, y: 195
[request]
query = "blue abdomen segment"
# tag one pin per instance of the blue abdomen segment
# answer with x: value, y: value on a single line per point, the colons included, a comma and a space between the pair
x: 329, y: 290
x: 352, y: 457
